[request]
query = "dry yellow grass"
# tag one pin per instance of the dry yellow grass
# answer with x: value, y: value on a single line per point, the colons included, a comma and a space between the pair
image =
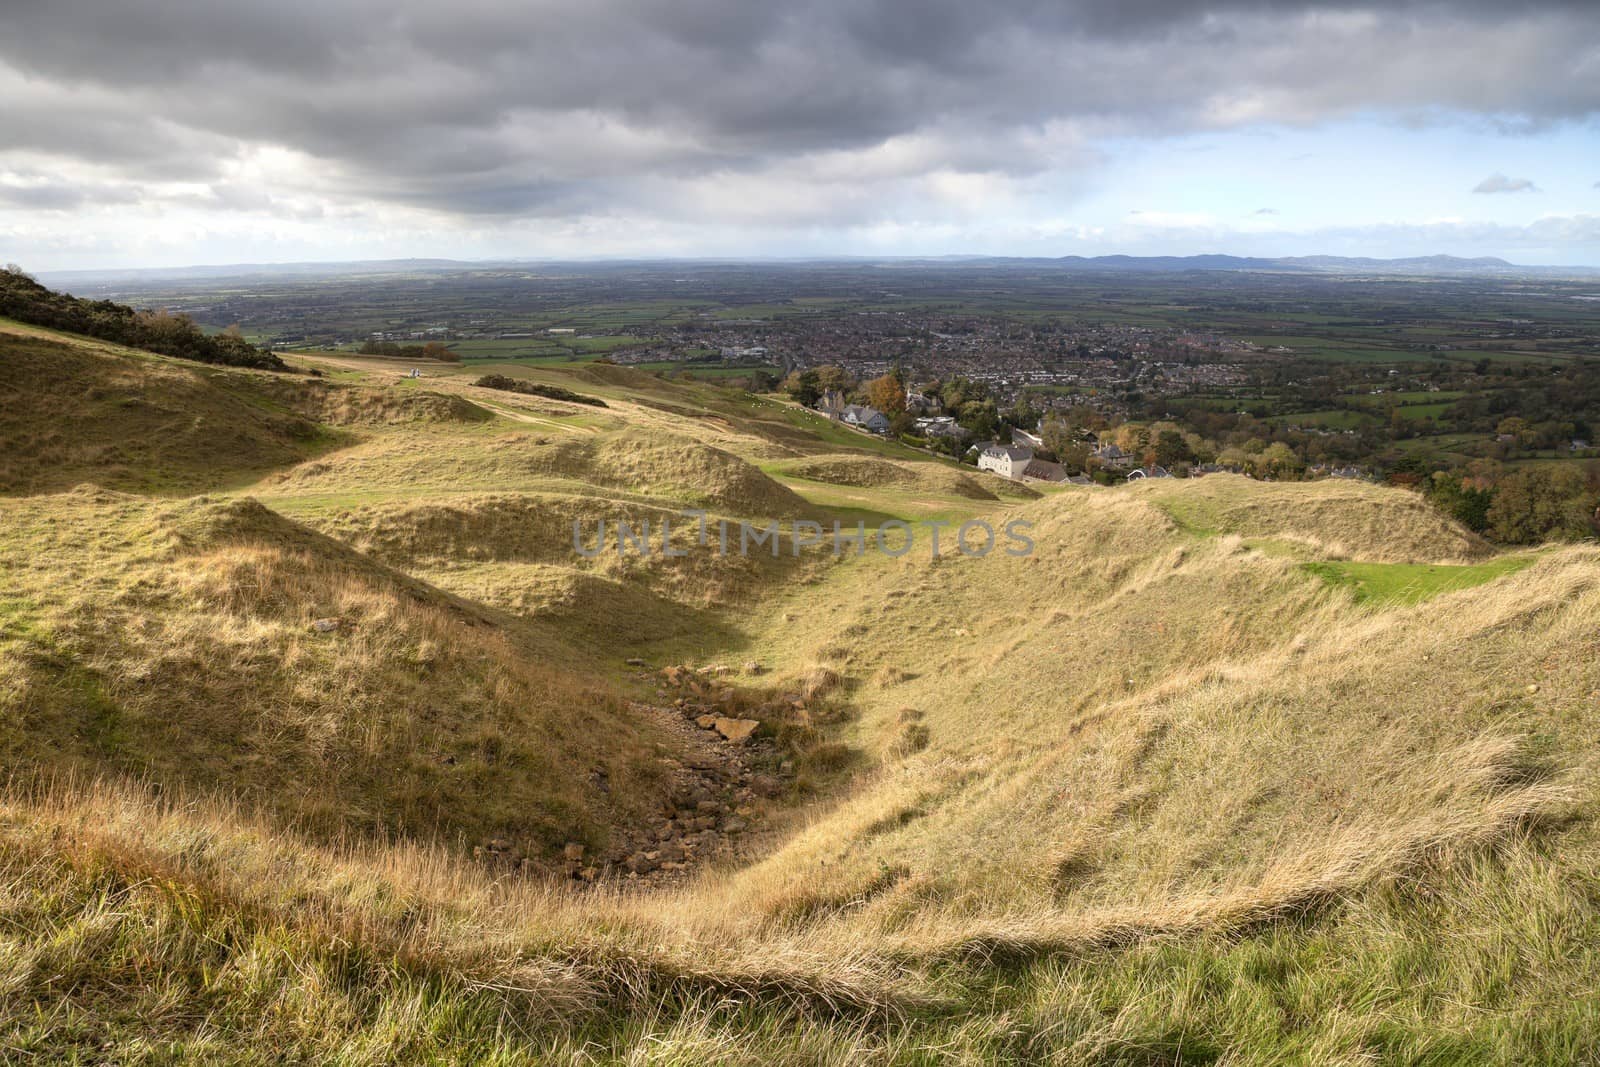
x: 673, y: 466
x: 1331, y: 519
x: 1192, y: 797
x: 870, y: 471
x: 176, y: 641
x: 69, y: 413
x: 1145, y: 724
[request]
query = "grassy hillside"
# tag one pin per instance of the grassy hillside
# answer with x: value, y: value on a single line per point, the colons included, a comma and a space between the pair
x: 76, y: 412
x: 1222, y: 771
x: 217, y: 646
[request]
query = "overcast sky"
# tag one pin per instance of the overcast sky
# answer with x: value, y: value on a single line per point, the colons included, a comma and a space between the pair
x: 172, y: 132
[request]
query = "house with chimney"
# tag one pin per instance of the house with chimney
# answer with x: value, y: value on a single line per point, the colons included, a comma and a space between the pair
x: 1008, y: 461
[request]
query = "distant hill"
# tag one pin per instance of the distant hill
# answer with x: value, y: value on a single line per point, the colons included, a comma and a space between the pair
x: 1414, y: 266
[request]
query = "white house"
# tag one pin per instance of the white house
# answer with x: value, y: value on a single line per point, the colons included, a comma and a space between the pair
x: 1008, y: 461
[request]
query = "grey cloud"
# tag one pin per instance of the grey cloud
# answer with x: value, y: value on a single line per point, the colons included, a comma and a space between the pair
x: 1551, y: 232
x: 1499, y: 183
x: 34, y: 190
x: 1265, y: 211
x: 481, y: 108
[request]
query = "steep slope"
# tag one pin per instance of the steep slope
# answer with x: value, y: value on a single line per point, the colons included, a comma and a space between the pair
x: 1141, y: 793
x: 1133, y: 725
x: 74, y: 410
x: 870, y: 471
x: 668, y: 465
x: 218, y: 646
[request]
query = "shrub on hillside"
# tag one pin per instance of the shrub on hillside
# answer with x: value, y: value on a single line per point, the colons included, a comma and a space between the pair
x: 434, y: 350
x: 25, y: 300
x: 549, y: 392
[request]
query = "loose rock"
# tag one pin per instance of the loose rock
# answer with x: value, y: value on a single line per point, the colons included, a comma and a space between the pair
x: 736, y: 729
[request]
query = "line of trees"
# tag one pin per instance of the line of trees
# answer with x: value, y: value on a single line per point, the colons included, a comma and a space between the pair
x: 1521, y: 505
x: 433, y: 350
x: 25, y: 300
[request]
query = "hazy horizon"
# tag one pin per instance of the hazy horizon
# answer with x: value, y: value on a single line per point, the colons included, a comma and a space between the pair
x: 220, y: 269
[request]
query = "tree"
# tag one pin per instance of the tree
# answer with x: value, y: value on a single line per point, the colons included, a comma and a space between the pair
x: 834, y: 379
x: 887, y: 394
x: 1172, y: 449
x: 1459, y: 498
x: 1074, y: 457
x: 1514, y: 427
x: 959, y: 392
x: 980, y: 417
x: 1058, y: 436
x: 1023, y: 414
x: 437, y: 350
x: 1538, y: 504
x: 803, y: 387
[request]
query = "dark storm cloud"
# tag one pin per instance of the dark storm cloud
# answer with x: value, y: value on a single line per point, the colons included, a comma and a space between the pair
x: 568, y: 106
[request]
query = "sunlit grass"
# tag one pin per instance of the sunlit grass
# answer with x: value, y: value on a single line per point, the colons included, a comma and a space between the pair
x: 1411, y: 583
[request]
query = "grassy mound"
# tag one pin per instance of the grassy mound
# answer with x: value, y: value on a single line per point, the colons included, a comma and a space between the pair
x: 219, y: 646
x: 1333, y: 519
x: 1220, y: 771
x: 668, y: 465
x: 454, y: 542
x: 71, y: 412
x: 870, y: 471
x: 1172, y: 798
x: 342, y: 405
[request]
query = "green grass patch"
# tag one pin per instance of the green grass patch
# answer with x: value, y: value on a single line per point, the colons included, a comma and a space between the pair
x: 1411, y: 583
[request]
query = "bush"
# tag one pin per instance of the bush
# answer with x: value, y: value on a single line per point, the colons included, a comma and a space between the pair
x: 25, y: 300
x: 549, y: 392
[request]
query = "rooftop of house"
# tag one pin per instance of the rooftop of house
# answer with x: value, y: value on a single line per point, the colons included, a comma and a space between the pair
x: 1045, y: 471
x: 860, y: 411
